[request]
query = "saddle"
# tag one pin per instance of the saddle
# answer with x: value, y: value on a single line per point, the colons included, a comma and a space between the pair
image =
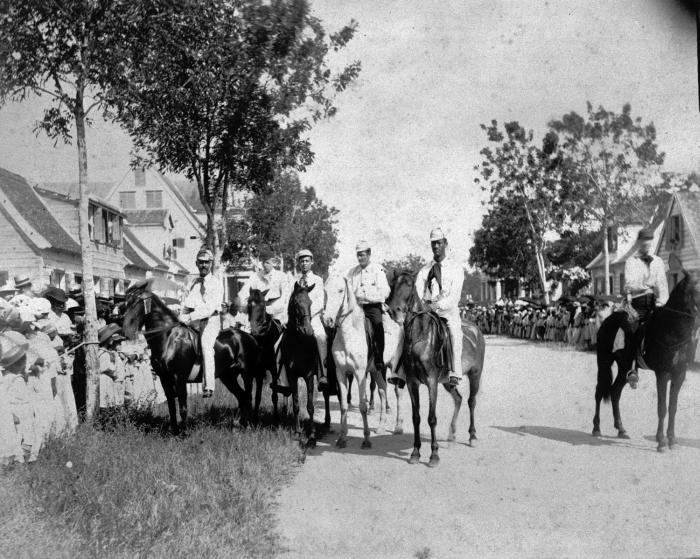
x: 444, y: 356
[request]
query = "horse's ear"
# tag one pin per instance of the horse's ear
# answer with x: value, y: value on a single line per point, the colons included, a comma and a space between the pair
x: 310, y: 288
x: 264, y: 293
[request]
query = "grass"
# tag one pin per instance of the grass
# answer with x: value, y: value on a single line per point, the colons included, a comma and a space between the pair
x: 125, y: 488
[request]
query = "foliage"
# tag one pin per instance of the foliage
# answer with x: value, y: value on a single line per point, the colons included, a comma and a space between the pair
x: 225, y: 92
x: 471, y: 288
x: 411, y: 263
x: 517, y: 172
x: 285, y: 220
x: 612, y: 165
x: 574, y: 248
x: 575, y: 278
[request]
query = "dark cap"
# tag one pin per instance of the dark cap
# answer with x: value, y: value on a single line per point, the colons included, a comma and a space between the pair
x: 55, y: 294
x: 645, y: 234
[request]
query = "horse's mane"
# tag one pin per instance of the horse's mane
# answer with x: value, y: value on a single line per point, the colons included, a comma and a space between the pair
x: 678, y: 299
x: 145, y: 287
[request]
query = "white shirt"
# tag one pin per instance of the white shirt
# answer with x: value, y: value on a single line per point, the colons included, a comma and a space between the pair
x: 447, y: 298
x: 369, y: 284
x: 642, y: 279
x: 317, y: 294
x: 62, y: 323
x: 276, y: 284
x: 205, y: 296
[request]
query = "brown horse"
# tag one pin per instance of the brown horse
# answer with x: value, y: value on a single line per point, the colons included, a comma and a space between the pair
x: 420, y: 361
x: 174, y: 352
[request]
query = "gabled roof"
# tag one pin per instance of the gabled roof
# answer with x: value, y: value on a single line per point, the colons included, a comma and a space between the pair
x: 70, y: 189
x: 47, y: 191
x: 147, y: 217
x: 689, y: 203
x: 27, y: 206
x: 144, y: 255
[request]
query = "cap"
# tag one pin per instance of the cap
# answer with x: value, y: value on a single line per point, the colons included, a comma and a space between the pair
x: 106, y: 332
x: 304, y: 252
x: 362, y: 246
x: 205, y: 254
x: 265, y: 254
x: 22, y: 281
x: 645, y: 234
x: 56, y: 294
x: 7, y: 288
x: 436, y: 235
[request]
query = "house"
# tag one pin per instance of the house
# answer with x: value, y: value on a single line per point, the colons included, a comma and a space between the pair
x: 680, y: 234
x: 33, y: 241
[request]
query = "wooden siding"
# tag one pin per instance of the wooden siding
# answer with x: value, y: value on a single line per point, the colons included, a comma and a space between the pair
x: 18, y: 256
x: 688, y: 252
x: 65, y: 213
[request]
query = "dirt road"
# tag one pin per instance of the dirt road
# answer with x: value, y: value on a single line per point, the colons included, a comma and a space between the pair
x: 537, y: 484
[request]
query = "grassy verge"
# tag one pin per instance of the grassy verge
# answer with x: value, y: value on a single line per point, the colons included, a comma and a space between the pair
x: 127, y: 489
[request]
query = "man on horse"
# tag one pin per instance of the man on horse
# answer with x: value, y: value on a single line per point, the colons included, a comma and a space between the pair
x: 203, y: 302
x: 305, y: 261
x: 273, y: 283
x: 368, y: 283
x: 439, y: 284
x: 646, y: 286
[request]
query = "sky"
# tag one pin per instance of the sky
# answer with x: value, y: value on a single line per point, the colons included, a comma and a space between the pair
x: 398, y: 158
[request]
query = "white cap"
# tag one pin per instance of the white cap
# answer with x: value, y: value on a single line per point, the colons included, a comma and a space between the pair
x: 304, y: 252
x: 39, y: 306
x: 362, y: 246
x: 437, y: 235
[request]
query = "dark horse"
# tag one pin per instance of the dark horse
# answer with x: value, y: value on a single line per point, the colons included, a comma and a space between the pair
x: 299, y: 356
x: 420, y: 361
x: 669, y: 345
x: 174, y: 351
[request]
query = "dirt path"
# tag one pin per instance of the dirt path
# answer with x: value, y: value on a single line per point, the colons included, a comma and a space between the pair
x: 536, y: 485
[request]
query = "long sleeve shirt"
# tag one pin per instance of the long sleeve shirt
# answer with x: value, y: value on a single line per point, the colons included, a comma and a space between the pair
x: 643, y: 279
x: 369, y: 284
x: 276, y: 284
x: 205, y: 297
x: 447, y: 298
x: 317, y: 294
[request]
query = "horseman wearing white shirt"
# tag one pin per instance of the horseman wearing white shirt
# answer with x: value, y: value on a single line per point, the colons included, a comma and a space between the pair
x: 305, y: 261
x: 203, y: 302
x: 439, y: 284
x: 368, y: 283
x: 646, y: 286
x: 274, y: 283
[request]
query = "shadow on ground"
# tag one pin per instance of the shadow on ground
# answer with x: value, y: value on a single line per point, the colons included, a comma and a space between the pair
x: 568, y: 436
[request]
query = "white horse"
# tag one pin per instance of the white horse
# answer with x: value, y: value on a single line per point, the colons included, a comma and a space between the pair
x: 350, y: 354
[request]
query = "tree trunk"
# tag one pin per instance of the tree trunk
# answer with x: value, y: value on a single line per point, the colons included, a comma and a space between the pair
x: 90, y: 332
x: 606, y: 258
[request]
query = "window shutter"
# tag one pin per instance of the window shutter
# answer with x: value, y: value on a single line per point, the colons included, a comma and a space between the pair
x: 681, y: 238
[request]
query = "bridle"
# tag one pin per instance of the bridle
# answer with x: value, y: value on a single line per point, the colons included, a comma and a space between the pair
x: 146, y: 300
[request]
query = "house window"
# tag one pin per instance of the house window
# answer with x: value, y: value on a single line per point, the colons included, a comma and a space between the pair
x: 612, y: 238
x: 622, y: 284
x: 154, y: 198
x: 612, y: 283
x: 127, y: 200
x: 96, y: 224
x: 674, y: 236
x: 104, y: 226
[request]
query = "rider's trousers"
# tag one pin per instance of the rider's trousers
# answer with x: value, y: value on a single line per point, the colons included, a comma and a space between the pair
x: 454, y: 323
x: 321, y: 342
x: 209, y: 333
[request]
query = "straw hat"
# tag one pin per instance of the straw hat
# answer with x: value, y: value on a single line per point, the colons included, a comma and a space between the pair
x: 13, y: 346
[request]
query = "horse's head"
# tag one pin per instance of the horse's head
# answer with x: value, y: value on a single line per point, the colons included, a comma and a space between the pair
x: 300, y: 310
x: 257, y: 313
x: 336, y: 295
x: 402, y: 289
x: 136, y: 307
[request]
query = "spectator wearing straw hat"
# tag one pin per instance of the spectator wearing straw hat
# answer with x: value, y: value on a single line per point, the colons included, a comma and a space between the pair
x: 58, y: 299
x: 7, y: 292
x: 111, y: 367
x: 24, y: 295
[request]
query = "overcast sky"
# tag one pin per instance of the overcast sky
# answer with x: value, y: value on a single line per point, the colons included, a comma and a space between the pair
x: 398, y: 158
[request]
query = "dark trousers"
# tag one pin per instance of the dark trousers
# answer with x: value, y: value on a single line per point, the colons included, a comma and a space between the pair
x: 644, y: 305
x: 373, y: 312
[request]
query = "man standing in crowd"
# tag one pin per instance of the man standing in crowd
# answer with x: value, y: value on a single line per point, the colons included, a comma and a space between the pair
x: 439, y: 284
x: 203, y: 303
x: 646, y: 286
x: 368, y: 283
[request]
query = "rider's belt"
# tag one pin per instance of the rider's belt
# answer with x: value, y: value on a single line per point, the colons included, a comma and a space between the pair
x: 371, y: 305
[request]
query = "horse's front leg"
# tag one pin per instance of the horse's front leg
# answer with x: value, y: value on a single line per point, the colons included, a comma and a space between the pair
x: 677, y: 378
x: 383, y: 406
x: 413, y: 386
x: 259, y: 383
x: 361, y: 379
x: 661, y: 384
x: 398, y: 392
x: 327, y: 415
x: 343, y: 398
x: 432, y: 421
x: 295, y: 404
x: 615, y: 395
x: 311, y: 442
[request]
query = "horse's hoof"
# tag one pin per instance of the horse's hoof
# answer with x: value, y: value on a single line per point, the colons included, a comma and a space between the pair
x: 597, y: 433
x: 414, y: 459
x: 472, y: 440
x: 311, y: 443
x: 366, y: 444
x: 451, y: 438
x: 341, y: 443
x: 398, y: 430
x: 434, y: 461
x: 622, y: 435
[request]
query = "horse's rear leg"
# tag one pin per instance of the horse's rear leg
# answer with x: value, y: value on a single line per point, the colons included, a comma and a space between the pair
x: 172, y: 410
x: 372, y: 389
x: 182, y: 401
x: 327, y: 415
x: 259, y: 382
x: 474, y: 382
x: 677, y: 378
x: 413, y: 387
x: 662, y: 379
x: 383, y: 406
x: 311, y: 440
x: 457, y: 399
x: 230, y: 381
